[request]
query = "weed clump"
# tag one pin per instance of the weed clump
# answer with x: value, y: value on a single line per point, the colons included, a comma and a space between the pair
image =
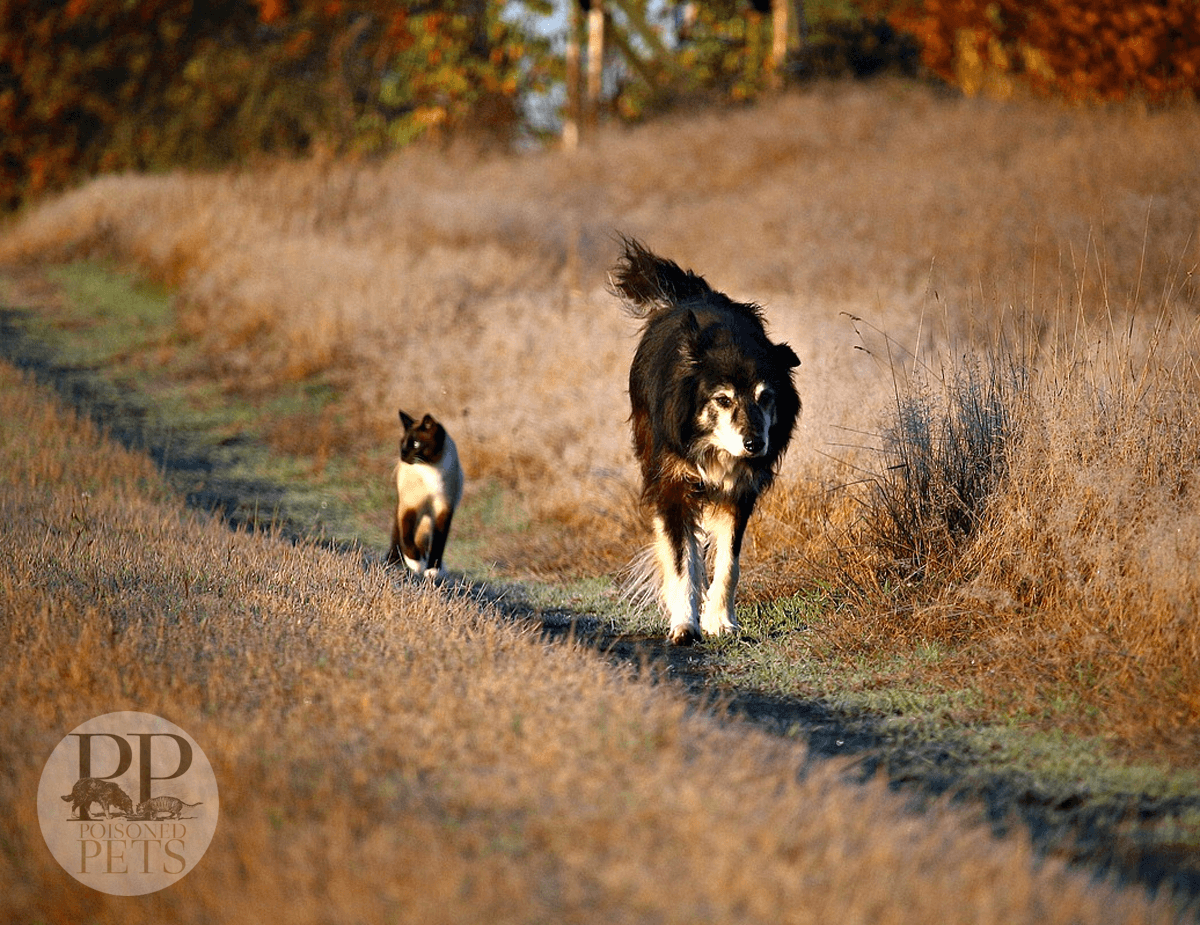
x: 944, y: 457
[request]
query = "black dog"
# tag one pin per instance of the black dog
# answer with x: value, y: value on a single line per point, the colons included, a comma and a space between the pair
x: 714, y: 406
x: 89, y: 790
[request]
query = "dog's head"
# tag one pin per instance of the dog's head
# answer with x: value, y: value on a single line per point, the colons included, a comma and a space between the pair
x: 738, y: 418
x: 423, y: 440
x: 745, y: 401
x: 121, y: 799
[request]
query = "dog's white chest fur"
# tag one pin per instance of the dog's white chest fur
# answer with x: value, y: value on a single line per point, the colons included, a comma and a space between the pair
x: 717, y: 470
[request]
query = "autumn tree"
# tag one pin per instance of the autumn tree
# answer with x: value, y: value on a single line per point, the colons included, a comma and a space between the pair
x: 101, y: 85
x: 1077, y: 49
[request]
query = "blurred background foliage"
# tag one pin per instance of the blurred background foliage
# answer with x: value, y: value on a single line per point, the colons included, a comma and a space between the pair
x: 1083, y: 50
x: 93, y: 86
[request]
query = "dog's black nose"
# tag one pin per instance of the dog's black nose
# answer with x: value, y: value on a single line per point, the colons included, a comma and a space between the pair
x: 754, y: 445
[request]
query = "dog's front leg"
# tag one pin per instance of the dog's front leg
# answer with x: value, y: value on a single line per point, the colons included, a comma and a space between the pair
x: 681, y: 566
x: 724, y: 528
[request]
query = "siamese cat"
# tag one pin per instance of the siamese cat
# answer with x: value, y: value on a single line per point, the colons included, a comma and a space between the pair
x: 429, y: 485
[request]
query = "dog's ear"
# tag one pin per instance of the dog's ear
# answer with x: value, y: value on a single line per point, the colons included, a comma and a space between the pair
x: 786, y: 356
x: 406, y: 419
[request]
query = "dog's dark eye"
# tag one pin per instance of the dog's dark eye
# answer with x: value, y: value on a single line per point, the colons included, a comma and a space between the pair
x: 766, y: 399
x: 723, y: 401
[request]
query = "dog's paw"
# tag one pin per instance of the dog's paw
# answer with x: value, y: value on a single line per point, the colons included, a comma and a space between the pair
x: 724, y: 629
x: 718, y: 620
x: 685, y: 634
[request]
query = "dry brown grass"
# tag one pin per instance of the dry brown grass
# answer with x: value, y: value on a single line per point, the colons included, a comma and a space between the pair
x: 1091, y: 545
x: 386, y: 752
x: 473, y: 286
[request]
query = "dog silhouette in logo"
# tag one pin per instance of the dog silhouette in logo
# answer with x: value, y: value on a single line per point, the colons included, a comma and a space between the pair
x: 89, y: 790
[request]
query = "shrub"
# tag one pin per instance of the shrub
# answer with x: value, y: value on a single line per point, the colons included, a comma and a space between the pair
x: 943, y: 458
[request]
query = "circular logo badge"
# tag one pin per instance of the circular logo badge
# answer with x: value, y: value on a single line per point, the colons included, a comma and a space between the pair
x: 128, y: 803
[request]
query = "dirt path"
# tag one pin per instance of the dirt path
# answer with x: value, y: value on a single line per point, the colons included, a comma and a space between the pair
x: 1105, y: 833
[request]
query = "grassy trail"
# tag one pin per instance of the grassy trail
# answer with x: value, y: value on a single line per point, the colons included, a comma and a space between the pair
x: 979, y: 554
x: 1085, y: 817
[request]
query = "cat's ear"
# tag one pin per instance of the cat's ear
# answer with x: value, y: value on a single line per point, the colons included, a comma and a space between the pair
x: 406, y: 419
x: 428, y: 421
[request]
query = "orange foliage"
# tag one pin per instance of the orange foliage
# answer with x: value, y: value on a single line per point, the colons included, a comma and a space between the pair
x: 270, y: 11
x: 93, y: 85
x: 1081, y: 49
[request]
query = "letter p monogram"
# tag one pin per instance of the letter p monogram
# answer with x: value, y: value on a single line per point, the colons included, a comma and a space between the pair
x: 125, y: 757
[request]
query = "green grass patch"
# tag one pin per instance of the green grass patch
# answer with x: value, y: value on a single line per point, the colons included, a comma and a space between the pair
x: 112, y: 314
x: 598, y: 597
x: 122, y: 330
x: 784, y: 651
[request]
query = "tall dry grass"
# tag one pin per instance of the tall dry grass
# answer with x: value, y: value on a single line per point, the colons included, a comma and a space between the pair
x: 473, y: 286
x: 1035, y: 510
x: 1093, y: 540
x: 388, y: 752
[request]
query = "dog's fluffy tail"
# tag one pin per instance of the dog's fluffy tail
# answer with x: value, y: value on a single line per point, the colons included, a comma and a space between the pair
x: 648, y: 283
x: 639, y: 584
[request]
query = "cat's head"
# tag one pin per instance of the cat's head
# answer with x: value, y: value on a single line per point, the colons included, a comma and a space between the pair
x: 423, y: 440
